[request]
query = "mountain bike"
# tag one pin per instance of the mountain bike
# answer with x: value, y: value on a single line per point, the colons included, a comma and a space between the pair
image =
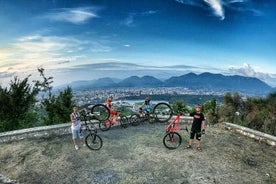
x: 92, y: 140
x: 116, y: 117
x: 173, y: 139
x: 100, y: 112
x: 162, y: 112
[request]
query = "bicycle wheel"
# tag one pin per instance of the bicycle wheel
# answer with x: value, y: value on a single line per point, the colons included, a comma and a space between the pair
x: 172, y: 140
x: 105, y: 125
x: 134, y: 119
x: 93, y: 141
x: 123, y: 121
x: 162, y: 112
x: 100, y: 112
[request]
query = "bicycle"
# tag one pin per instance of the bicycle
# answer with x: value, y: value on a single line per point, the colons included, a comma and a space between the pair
x: 117, y: 115
x: 173, y: 139
x: 92, y: 140
x: 162, y: 112
x: 100, y: 112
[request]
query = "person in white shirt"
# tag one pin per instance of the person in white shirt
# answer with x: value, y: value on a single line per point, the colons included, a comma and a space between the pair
x: 76, y: 127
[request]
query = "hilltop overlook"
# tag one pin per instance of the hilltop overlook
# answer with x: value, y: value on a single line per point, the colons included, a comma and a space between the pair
x: 136, y: 155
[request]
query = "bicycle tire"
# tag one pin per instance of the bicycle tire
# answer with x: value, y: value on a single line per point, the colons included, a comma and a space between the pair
x: 172, y: 140
x: 162, y: 112
x: 105, y: 125
x: 101, y: 112
x: 123, y: 121
x: 93, y: 141
x: 135, y: 119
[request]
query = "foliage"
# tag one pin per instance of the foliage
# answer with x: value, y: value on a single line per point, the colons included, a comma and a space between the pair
x: 254, y: 112
x: 17, y: 102
x: 57, y: 108
x: 21, y: 110
x: 179, y: 106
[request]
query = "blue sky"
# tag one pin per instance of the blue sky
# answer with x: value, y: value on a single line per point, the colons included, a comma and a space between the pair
x: 85, y: 40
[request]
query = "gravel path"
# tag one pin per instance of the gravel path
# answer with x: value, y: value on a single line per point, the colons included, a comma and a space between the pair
x: 137, y: 155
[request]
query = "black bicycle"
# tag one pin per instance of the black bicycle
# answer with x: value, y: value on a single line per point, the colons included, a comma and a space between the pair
x: 161, y: 112
x: 100, y: 112
x: 92, y: 140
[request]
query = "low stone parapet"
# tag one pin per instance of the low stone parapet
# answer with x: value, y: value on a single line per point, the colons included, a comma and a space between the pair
x: 59, y: 129
x: 257, y: 135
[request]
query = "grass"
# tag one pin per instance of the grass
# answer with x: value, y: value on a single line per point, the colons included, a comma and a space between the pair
x: 137, y: 155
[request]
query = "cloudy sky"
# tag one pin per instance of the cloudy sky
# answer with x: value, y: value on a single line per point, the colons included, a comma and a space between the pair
x: 84, y: 40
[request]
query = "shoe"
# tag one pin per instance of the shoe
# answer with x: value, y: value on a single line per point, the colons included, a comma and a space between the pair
x: 84, y: 145
x: 188, y: 147
x: 76, y: 147
x: 198, y: 149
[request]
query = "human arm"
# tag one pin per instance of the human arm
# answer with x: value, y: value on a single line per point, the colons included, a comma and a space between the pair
x: 203, y: 126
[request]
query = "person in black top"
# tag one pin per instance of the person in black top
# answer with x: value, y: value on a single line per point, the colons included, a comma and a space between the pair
x: 198, y: 127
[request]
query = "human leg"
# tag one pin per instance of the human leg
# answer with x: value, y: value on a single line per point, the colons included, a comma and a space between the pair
x: 192, y: 135
x: 198, y: 141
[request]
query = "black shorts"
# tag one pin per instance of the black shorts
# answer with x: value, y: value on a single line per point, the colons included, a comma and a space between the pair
x: 195, y: 133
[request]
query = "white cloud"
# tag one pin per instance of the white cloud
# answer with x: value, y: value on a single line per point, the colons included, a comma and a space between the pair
x: 72, y: 15
x: 249, y: 71
x: 217, y: 7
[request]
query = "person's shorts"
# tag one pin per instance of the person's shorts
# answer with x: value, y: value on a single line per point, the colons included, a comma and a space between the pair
x: 76, y: 133
x: 195, y: 133
x: 113, y: 112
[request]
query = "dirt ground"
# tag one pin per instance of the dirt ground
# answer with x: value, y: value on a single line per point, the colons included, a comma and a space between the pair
x: 137, y: 155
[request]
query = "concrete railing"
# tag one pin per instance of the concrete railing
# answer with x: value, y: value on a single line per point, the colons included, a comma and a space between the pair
x: 257, y: 135
x: 59, y: 129
x: 63, y: 129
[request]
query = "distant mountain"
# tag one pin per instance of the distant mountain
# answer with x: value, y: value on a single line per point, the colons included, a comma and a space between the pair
x: 204, y: 81
x: 219, y: 82
x: 145, y: 81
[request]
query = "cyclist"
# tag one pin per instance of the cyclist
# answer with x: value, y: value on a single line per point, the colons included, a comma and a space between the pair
x: 198, y: 127
x: 113, y: 112
x: 147, y: 106
x: 76, y: 127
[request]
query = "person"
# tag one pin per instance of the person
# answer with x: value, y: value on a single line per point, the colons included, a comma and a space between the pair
x: 76, y: 127
x: 198, y: 127
x: 147, y: 105
x: 113, y: 112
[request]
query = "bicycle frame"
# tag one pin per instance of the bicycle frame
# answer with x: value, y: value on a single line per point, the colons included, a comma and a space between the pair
x: 173, y: 139
x: 92, y: 140
x: 113, y: 119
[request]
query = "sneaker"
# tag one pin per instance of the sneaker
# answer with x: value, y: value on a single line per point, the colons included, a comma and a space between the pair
x: 198, y: 149
x: 76, y: 147
x: 188, y: 147
x: 84, y: 145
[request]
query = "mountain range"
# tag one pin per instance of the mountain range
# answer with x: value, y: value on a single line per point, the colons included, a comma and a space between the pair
x: 204, y: 81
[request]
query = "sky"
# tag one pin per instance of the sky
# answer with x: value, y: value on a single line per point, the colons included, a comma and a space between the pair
x: 85, y: 40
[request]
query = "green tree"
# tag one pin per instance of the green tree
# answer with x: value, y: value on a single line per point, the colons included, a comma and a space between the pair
x: 210, y: 111
x: 18, y: 101
x: 56, y: 108
x: 179, y: 106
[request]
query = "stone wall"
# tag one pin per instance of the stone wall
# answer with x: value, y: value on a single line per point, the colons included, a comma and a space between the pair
x: 63, y: 129
x: 45, y: 131
x: 259, y: 136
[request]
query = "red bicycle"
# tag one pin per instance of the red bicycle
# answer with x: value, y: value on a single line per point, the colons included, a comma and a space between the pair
x: 115, y: 117
x: 173, y: 139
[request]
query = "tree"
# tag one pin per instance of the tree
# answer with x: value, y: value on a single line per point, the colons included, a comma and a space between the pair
x: 17, y: 100
x: 179, y: 106
x: 210, y: 110
x: 57, y: 108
